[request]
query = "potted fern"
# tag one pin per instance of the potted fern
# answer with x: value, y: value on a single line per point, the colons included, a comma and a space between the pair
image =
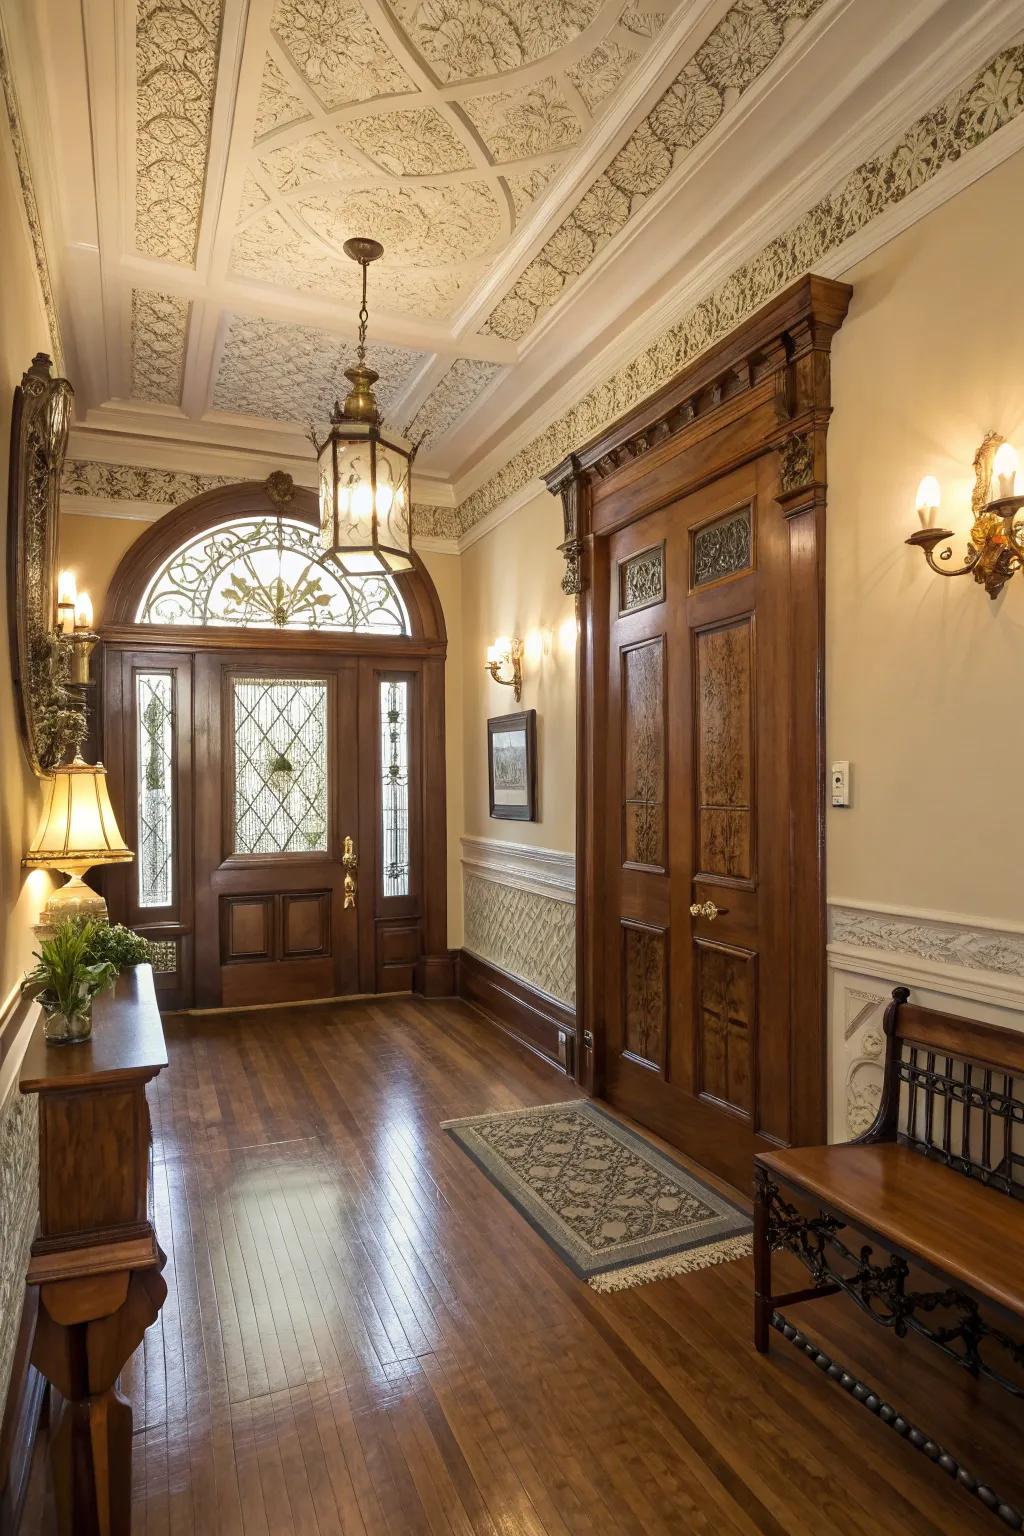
x: 66, y: 979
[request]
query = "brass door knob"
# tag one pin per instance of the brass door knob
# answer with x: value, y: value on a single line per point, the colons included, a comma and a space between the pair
x: 705, y: 909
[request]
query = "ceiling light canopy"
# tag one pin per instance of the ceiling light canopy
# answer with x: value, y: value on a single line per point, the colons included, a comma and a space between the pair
x: 365, y: 469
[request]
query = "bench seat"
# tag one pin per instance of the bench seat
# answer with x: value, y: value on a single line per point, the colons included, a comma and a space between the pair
x: 953, y: 1225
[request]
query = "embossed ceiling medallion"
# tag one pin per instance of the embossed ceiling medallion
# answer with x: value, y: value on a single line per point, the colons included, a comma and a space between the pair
x: 365, y: 470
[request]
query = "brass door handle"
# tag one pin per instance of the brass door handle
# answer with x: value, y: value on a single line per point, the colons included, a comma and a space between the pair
x: 705, y: 909
x: 351, y: 862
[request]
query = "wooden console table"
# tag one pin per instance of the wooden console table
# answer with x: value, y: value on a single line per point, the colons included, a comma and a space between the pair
x: 96, y: 1260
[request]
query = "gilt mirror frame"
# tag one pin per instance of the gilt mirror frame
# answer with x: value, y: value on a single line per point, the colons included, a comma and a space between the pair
x: 52, y: 725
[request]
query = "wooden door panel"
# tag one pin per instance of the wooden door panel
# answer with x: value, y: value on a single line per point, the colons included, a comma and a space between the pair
x: 724, y: 729
x: 247, y: 928
x: 643, y: 751
x: 726, y: 1016
x: 645, y: 995
x: 305, y: 923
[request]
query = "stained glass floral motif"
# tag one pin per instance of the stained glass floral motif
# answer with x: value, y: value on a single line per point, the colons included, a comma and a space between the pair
x: 268, y: 573
x: 394, y: 759
x: 154, y: 707
x: 280, y: 793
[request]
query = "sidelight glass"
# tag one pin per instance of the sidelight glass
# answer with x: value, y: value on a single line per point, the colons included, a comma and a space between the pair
x: 269, y: 573
x: 154, y: 713
x: 281, y: 765
x: 394, y: 758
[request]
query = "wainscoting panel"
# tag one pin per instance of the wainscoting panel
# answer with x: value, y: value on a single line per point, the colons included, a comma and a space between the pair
x: 949, y: 962
x: 20, y: 1385
x: 520, y: 913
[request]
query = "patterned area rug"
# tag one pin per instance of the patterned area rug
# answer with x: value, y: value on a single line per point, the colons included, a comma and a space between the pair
x: 618, y: 1211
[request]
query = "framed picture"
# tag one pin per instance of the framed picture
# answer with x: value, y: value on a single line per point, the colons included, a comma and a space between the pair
x: 512, y: 765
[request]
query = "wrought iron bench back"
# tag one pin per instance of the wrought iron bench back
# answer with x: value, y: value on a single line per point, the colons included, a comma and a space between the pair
x: 954, y: 1090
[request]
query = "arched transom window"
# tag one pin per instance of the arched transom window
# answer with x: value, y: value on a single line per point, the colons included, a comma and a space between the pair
x: 268, y: 573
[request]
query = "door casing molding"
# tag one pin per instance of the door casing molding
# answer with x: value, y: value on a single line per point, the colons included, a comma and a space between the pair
x: 765, y: 387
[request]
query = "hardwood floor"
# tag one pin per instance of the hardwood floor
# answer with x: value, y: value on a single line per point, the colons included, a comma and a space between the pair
x: 362, y: 1336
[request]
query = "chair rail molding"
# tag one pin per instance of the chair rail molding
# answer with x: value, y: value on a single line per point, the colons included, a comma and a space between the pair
x: 542, y: 871
x: 950, y: 961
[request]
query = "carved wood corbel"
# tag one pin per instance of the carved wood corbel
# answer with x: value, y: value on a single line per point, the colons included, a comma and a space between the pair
x: 570, y: 483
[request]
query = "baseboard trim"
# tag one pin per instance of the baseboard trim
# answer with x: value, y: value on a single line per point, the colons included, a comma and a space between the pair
x: 544, y: 1026
x: 20, y: 1422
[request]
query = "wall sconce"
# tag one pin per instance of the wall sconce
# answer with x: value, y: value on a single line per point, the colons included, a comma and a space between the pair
x: 76, y: 633
x: 996, y: 548
x: 507, y: 655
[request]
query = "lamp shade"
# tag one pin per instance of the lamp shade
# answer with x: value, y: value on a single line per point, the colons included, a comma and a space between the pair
x: 77, y: 828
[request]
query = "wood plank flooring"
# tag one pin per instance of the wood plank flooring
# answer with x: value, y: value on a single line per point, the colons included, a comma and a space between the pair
x: 362, y: 1336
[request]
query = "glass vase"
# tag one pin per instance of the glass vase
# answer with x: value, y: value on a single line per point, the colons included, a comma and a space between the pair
x: 67, y: 1028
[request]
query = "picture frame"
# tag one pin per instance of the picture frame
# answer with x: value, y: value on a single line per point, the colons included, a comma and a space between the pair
x: 512, y: 766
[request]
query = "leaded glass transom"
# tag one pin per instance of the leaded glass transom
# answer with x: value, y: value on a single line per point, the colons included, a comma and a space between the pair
x: 394, y: 758
x: 268, y: 573
x: 154, y: 713
x: 280, y: 732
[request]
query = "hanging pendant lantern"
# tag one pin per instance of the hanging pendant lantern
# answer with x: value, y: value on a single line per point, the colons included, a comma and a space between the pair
x: 365, y: 469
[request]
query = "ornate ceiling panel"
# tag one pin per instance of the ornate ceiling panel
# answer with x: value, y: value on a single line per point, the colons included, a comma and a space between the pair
x: 159, y: 327
x: 739, y: 49
x: 176, y: 49
x: 534, y: 168
x: 449, y: 400
x: 283, y: 372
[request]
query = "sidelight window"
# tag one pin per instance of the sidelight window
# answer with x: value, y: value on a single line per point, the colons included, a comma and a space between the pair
x: 394, y: 757
x: 268, y: 573
x: 154, y: 713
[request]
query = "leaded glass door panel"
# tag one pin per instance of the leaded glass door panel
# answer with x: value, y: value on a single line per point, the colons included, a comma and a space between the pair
x: 278, y: 761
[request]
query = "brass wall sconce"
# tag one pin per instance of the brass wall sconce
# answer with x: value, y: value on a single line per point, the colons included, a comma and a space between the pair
x: 75, y: 627
x: 503, y: 656
x: 996, y: 548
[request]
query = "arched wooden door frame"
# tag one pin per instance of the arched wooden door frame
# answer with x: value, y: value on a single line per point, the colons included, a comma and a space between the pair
x: 422, y: 652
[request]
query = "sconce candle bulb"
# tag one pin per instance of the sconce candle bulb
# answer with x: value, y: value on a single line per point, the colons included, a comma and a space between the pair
x: 929, y: 498
x: 996, y: 548
x: 506, y: 654
x: 1004, y: 471
x: 67, y: 596
x: 83, y: 611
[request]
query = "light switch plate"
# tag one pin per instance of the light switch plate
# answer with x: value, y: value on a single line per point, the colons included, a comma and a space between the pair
x: 841, y: 783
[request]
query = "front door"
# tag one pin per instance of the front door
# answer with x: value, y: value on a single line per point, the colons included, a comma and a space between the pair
x: 278, y: 832
x: 697, y: 932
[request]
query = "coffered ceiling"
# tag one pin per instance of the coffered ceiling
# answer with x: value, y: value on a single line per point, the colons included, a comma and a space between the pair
x: 547, y: 176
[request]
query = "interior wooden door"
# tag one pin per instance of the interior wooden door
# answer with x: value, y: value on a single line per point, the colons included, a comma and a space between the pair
x: 698, y: 1037
x: 277, y: 753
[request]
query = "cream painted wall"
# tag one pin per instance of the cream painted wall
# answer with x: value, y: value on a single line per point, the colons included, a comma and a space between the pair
x: 924, y: 674
x: 511, y: 585
x: 23, y: 332
x: 92, y: 546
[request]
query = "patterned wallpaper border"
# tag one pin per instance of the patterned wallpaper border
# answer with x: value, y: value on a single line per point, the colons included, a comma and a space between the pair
x: 930, y: 937
x: 19, y: 1205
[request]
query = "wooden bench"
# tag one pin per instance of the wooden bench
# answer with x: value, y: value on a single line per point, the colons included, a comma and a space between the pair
x: 937, y: 1182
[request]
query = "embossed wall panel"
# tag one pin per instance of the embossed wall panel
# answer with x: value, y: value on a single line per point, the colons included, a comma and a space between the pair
x: 19, y: 1213
x: 726, y: 1003
x: 643, y: 753
x: 530, y: 936
x: 644, y: 999
x: 723, y: 660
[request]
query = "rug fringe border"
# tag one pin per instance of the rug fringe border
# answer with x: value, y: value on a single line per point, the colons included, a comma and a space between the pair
x: 671, y: 1264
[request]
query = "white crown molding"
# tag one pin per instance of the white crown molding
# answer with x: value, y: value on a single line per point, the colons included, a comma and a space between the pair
x: 541, y: 871
x: 960, y: 957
